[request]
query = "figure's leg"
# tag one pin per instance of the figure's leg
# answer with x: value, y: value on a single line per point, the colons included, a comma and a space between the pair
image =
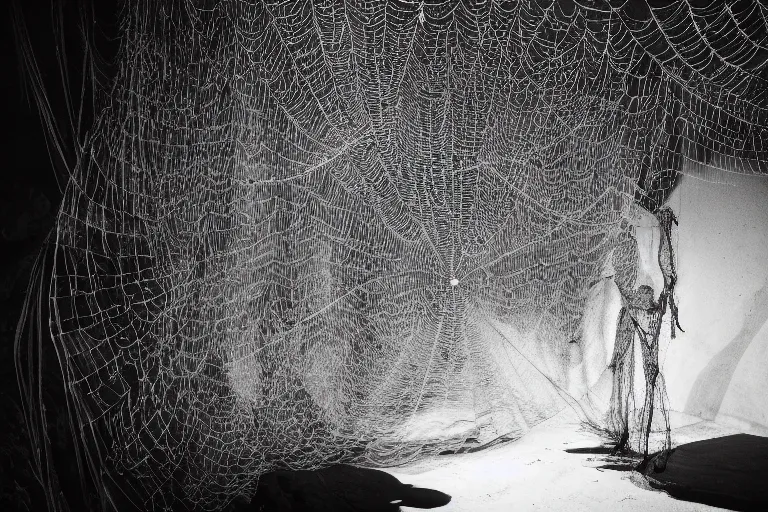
x: 620, y: 408
x: 622, y: 364
x: 651, y: 369
x: 660, y: 462
x: 652, y: 372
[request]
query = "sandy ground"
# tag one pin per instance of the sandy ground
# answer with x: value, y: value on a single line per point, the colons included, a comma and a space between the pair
x: 536, y: 474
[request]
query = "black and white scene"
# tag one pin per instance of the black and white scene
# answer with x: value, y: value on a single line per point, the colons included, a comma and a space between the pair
x: 384, y: 256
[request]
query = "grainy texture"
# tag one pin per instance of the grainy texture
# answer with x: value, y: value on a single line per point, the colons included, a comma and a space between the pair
x: 301, y: 233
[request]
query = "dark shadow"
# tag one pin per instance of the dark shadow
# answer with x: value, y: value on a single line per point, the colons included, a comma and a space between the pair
x: 618, y: 467
x: 339, y: 488
x: 593, y: 450
x: 621, y: 461
x: 729, y: 472
x: 472, y: 445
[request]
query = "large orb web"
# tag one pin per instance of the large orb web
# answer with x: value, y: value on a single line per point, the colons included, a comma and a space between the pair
x: 305, y: 232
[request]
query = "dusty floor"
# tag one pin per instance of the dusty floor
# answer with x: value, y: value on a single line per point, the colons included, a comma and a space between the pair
x: 536, y: 474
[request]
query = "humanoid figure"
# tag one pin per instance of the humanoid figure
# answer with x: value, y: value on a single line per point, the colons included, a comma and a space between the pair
x: 634, y: 319
x: 640, y: 319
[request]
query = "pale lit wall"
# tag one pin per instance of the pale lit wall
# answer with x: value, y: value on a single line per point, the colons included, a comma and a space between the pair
x: 718, y: 368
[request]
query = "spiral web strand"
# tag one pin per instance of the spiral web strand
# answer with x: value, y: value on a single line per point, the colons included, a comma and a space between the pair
x: 307, y: 232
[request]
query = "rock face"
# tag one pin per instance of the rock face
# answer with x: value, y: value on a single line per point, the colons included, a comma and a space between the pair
x: 340, y: 488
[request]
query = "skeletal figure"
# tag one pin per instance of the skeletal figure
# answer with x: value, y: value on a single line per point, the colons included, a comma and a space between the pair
x: 640, y: 319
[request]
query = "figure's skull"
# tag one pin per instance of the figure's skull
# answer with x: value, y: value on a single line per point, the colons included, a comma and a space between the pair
x: 644, y: 297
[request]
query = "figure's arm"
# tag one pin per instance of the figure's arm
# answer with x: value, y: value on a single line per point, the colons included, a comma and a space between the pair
x: 666, y: 219
x: 622, y: 342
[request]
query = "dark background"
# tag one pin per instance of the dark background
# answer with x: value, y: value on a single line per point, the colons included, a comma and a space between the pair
x: 29, y: 198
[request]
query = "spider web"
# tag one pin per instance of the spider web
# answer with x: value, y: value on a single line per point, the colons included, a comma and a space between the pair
x: 307, y: 232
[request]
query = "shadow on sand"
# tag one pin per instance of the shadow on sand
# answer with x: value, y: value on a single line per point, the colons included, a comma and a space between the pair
x: 339, y: 488
x: 729, y: 472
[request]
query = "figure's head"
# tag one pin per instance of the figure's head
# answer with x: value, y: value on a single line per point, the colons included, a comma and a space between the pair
x: 644, y: 296
x: 666, y: 216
